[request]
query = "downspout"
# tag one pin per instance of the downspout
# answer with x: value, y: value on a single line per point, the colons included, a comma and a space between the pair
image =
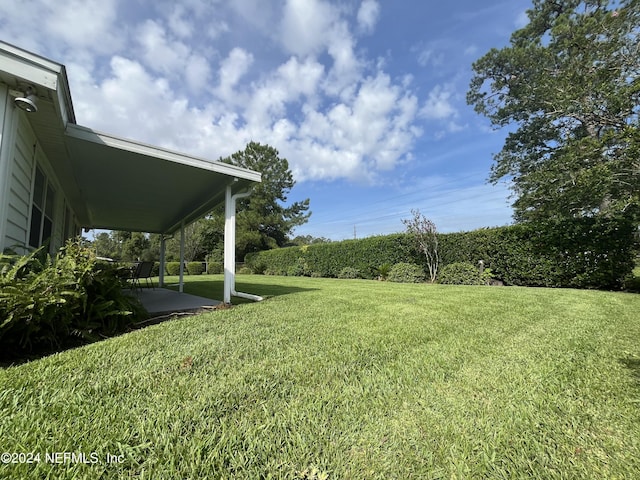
x: 181, y: 286
x: 230, y: 248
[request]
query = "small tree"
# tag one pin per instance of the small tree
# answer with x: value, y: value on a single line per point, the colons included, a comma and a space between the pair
x: 425, y: 237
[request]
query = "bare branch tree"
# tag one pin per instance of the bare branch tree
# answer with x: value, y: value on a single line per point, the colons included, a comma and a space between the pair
x: 425, y: 236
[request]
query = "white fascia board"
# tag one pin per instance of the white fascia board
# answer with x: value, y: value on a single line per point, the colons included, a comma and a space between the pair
x: 30, y: 68
x: 89, y: 135
x: 39, y: 72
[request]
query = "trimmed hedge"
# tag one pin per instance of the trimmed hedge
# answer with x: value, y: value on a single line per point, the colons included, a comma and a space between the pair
x: 581, y: 253
x: 329, y: 259
x: 173, y: 268
x: 195, y: 268
x: 215, y: 268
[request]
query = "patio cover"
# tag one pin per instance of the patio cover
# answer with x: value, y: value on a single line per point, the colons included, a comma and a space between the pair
x: 120, y: 184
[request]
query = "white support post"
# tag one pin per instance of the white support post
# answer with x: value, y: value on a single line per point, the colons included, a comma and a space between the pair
x: 162, y: 261
x: 181, y: 287
x: 230, y: 248
x: 229, y: 245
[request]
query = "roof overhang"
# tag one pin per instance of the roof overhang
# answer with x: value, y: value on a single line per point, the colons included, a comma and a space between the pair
x: 112, y: 182
x: 126, y: 185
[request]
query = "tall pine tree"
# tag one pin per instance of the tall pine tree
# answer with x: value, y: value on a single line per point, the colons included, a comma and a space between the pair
x: 568, y: 82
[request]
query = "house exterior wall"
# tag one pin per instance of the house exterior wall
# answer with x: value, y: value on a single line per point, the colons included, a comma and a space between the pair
x: 20, y: 155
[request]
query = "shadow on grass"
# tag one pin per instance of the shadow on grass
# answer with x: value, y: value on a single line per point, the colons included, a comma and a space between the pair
x: 632, y: 364
x: 214, y: 289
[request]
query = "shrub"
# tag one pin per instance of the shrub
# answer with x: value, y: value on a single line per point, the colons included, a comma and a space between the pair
x: 245, y: 271
x: 46, y: 303
x: 299, y: 268
x: 173, y: 268
x: 404, y: 272
x: 349, y: 273
x: 383, y: 271
x: 460, y: 273
x: 195, y: 268
x: 215, y: 268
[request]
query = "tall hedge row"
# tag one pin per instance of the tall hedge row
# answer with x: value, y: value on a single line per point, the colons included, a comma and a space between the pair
x: 329, y: 259
x: 583, y: 253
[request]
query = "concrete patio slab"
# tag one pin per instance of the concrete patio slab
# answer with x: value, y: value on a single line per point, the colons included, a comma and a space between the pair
x: 161, y: 301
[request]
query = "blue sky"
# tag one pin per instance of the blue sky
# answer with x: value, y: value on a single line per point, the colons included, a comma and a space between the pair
x: 365, y: 98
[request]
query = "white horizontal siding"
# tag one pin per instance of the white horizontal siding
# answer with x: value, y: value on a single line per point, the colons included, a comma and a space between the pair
x: 21, y: 169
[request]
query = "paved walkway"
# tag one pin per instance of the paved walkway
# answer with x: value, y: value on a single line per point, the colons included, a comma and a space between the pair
x: 160, y: 301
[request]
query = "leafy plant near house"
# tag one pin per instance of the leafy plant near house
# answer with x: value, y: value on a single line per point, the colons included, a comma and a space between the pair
x: 50, y: 303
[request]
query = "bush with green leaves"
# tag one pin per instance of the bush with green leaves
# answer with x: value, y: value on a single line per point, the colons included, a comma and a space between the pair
x: 349, y: 273
x: 50, y: 303
x: 195, y: 268
x: 298, y: 269
x: 460, y: 273
x: 173, y: 268
x: 215, y: 268
x: 383, y: 271
x: 404, y: 272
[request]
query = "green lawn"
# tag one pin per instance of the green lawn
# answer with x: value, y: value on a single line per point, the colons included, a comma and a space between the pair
x: 346, y: 378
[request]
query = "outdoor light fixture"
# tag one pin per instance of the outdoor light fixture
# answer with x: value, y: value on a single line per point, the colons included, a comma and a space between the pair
x: 28, y: 102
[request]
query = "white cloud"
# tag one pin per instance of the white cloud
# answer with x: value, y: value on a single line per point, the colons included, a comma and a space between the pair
x: 301, y: 78
x: 358, y: 138
x: 197, y: 73
x: 306, y: 26
x: 522, y: 20
x: 429, y: 55
x: 77, y: 24
x: 173, y: 58
x: 368, y: 14
x: 159, y: 52
x: 231, y: 70
x: 180, y: 26
x: 471, y: 50
x: 438, y: 105
x: 347, y: 67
